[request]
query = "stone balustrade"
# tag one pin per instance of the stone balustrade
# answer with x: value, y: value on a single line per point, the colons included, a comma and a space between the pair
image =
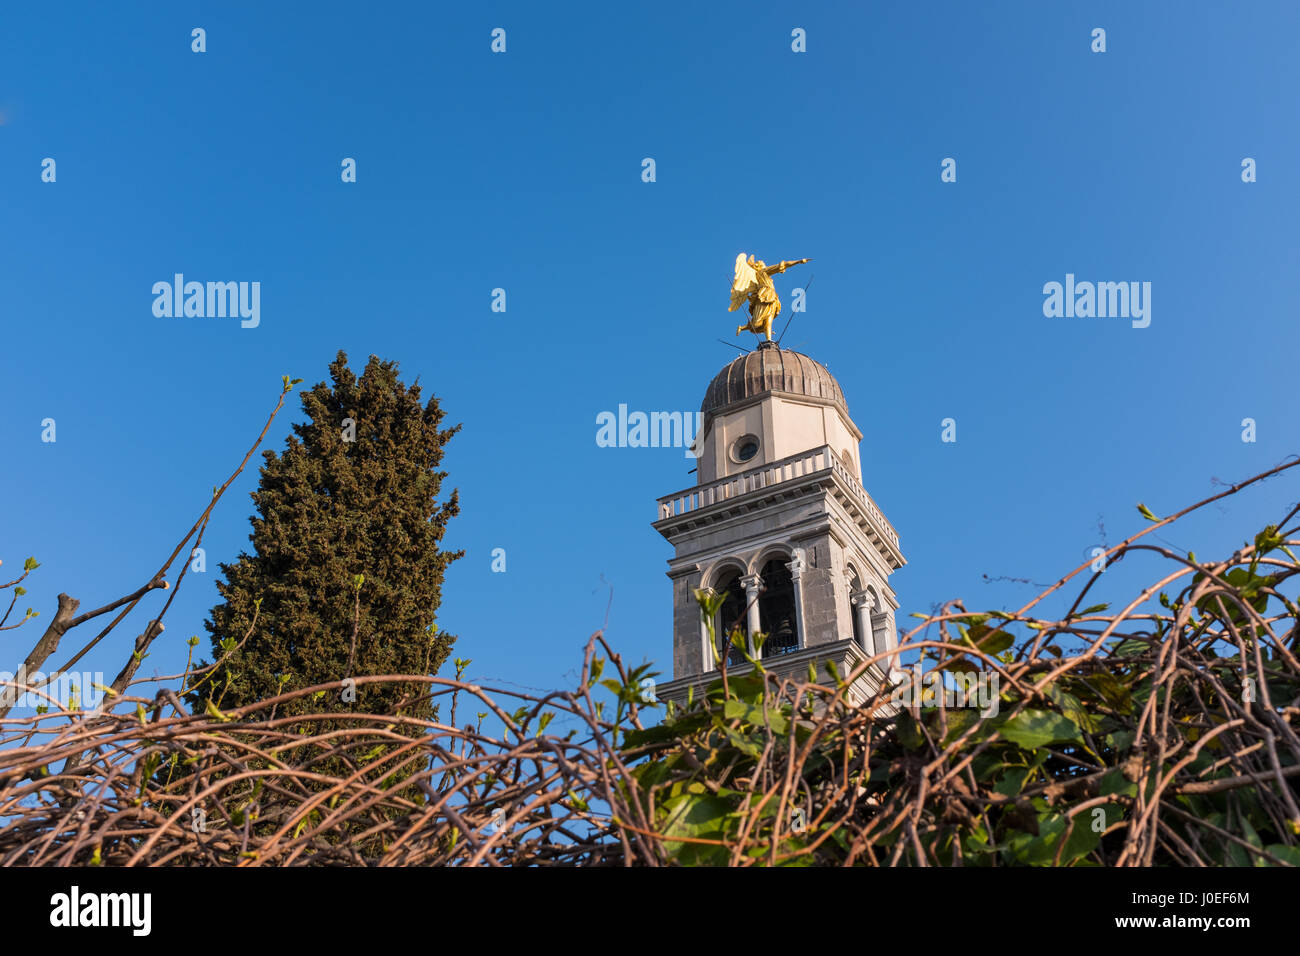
x: 814, y: 461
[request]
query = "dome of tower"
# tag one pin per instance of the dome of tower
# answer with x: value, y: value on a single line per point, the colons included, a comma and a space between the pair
x: 771, y: 370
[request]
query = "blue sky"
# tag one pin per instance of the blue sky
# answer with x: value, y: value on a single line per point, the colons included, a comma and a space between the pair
x: 522, y: 171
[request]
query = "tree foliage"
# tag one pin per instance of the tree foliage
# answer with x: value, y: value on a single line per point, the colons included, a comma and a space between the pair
x: 345, y: 575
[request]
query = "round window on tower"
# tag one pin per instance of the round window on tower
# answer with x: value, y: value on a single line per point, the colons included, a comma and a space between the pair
x: 744, y: 448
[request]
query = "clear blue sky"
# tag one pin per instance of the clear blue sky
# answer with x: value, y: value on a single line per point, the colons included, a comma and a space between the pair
x: 523, y: 171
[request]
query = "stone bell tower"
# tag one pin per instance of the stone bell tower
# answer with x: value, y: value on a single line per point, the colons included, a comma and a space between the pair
x: 780, y: 525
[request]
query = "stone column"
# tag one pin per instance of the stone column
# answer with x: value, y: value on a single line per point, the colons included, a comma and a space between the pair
x: 888, y: 639
x: 753, y: 585
x: 797, y: 568
x: 863, y: 603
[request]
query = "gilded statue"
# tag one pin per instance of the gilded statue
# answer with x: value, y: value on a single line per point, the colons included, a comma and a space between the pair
x: 753, y: 284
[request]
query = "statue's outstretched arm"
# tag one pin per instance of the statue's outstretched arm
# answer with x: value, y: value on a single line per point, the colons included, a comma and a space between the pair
x: 782, y: 266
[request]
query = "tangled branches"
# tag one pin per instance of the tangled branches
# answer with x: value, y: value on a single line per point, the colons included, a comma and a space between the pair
x: 248, y: 787
x: 1161, y: 733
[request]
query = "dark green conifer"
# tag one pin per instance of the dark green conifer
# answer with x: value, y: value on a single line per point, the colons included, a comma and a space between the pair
x: 346, y: 560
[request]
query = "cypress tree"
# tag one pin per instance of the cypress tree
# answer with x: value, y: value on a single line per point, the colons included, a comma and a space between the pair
x: 346, y: 560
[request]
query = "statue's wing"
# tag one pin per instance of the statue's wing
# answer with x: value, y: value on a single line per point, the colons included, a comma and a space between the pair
x: 745, y: 283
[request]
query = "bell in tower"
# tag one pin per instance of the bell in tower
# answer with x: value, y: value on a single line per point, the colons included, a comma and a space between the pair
x: 779, y: 526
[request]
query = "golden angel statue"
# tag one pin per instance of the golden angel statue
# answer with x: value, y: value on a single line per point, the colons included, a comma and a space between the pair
x: 753, y: 284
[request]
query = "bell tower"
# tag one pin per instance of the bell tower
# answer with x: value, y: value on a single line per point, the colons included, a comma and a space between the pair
x: 779, y: 524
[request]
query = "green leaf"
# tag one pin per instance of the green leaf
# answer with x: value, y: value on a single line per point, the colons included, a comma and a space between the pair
x: 960, y: 721
x: 213, y: 712
x: 1268, y: 539
x: 1012, y: 782
x: 1121, y: 740
x: 1114, y: 783
x: 659, y: 734
x: 996, y: 643
x: 1041, y: 850
x: 1031, y: 729
x: 743, y: 710
x: 748, y: 746
x: 989, y: 640
x: 1145, y: 512
x: 1071, y: 707
x: 1287, y: 854
x: 1083, y: 839
x: 698, y: 816
x: 908, y: 733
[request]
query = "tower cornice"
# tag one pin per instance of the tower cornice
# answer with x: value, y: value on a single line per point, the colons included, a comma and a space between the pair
x: 808, y: 472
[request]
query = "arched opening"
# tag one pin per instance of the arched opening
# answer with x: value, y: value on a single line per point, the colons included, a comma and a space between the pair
x: 776, y: 610
x: 734, y: 614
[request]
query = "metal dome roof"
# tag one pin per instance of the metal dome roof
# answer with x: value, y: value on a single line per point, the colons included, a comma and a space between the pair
x: 771, y: 369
